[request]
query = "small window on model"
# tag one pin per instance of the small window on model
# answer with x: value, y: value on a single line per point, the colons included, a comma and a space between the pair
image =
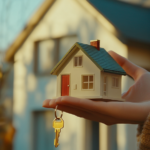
x: 87, y: 82
x: 115, y: 82
x: 78, y: 61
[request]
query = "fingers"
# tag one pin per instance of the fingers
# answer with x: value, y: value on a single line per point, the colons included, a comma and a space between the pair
x: 105, y: 108
x: 77, y: 102
x: 78, y: 112
x: 130, y: 68
x: 71, y: 101
x: 46, y: 103
x: 84, y: 113
x: 93, y: 116
x: 126, y: 111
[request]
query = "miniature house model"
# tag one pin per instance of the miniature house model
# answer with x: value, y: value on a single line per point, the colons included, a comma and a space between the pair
x: 88, y: 71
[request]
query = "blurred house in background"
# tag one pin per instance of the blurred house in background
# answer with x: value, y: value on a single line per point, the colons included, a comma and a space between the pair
x: 132, y: 23
x: 49, y: 34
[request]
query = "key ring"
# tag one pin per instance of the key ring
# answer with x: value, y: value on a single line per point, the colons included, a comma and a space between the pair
x: 56, y: 113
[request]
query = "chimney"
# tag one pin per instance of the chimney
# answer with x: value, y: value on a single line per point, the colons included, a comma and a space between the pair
x: 95, y: 43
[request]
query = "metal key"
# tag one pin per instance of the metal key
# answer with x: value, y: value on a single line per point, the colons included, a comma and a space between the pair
x: 58, y: 124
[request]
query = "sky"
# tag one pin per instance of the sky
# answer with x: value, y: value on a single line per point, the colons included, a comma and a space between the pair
x: 14, y: 15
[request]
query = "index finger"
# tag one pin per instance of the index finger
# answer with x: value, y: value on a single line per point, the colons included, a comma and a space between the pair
x: 130, y: 68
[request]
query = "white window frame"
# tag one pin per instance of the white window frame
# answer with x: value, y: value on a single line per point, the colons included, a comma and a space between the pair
x: 78, y: 61
x: 115, y: 79
x: 87, y: 81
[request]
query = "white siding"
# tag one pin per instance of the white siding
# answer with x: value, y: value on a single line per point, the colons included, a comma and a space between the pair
x: 88, y: 68
x: 112, y: 93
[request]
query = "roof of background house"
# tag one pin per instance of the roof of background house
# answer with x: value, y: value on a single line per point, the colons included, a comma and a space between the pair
x: 35, y: 19
x: 132, y: 21
x: 99, y: 57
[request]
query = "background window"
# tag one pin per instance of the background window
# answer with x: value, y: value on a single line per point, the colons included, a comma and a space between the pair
x: 46, y: 56
x: 48, y: 52
x: 115, y: 82
x: 65, y: 43
x: 78, y: 61
x: 87, y: 82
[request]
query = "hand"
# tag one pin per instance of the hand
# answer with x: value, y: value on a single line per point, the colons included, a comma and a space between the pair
x: 140, y: 91
x: 112, y: 112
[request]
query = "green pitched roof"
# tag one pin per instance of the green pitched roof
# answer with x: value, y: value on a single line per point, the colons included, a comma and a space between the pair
x: 100, y: 58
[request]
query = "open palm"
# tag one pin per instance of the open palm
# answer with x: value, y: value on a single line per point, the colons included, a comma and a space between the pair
x: 134, y: 110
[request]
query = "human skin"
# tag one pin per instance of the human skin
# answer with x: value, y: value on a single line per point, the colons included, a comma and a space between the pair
x: 134, y: 110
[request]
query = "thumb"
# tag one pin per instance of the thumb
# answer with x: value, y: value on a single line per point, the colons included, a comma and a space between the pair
x: 125, y: 95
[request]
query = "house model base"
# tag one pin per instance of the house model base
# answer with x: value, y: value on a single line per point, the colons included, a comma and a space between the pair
x: 89, y: 72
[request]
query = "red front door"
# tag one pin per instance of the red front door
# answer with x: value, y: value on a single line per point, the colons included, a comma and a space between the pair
x: 65, y: 85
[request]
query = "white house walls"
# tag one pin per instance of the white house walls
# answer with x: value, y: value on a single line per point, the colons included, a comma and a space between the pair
x: 113, y: 90
x: 76, y: 73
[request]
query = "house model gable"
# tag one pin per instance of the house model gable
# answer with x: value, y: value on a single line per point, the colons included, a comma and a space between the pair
x: 100, y: 58
x: 88, y: 71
